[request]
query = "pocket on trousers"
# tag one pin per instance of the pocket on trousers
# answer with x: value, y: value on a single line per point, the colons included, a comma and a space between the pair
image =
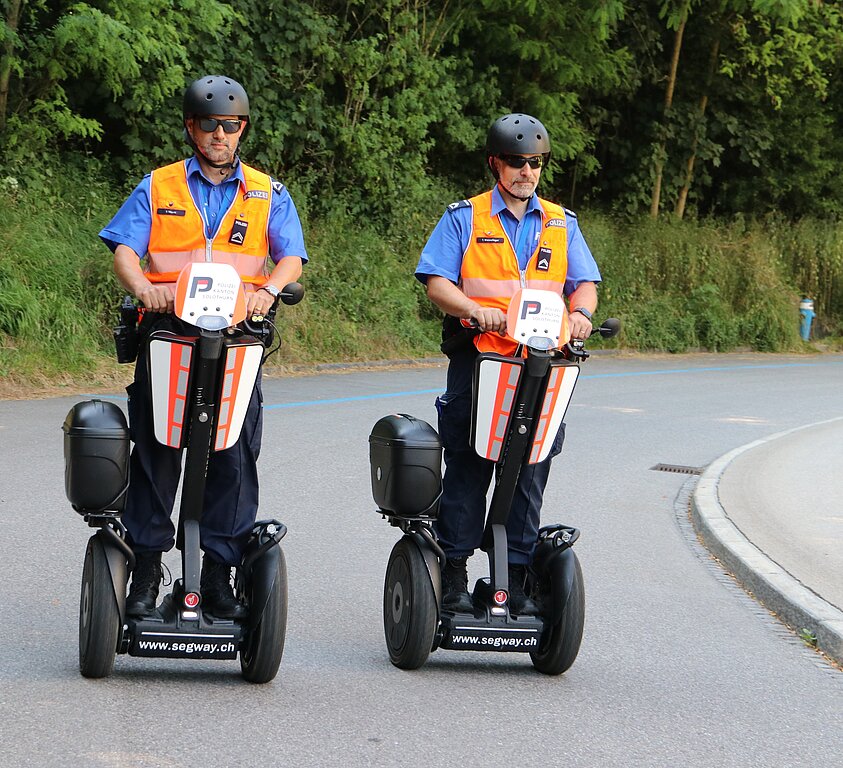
x: 132, y: 408
x: 454, y: 421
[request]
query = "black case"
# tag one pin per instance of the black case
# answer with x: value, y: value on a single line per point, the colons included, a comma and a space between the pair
x: 96, y: 456
x: 405, y: 458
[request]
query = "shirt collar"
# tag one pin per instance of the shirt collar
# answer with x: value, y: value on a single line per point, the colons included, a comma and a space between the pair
x: 533, y: 204
x: 194, y: 169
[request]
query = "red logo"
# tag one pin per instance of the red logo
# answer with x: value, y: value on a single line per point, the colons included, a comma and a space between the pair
x: 500, y: 597
x: 191, y: 600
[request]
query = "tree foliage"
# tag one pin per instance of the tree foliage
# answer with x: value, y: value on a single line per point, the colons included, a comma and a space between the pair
x: 381, y: 108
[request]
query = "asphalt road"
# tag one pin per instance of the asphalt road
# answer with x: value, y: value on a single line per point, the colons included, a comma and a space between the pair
x: 678, y: 667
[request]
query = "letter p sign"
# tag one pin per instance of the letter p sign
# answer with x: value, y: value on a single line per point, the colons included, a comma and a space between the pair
x: 200, y: 284
x: 530, y: 308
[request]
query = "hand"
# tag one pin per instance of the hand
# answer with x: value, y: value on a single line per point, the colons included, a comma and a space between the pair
x: 489, y: 319
x: 157, y: 298
x: 579, y: 325
x: 258, y: 303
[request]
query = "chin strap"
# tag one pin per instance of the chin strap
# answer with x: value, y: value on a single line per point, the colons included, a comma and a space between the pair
x: 223, y: 166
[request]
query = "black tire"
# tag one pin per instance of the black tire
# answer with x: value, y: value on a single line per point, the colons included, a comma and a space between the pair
x: 263, y: 647
x: 561, y: 643
x: 409, y: 606
x: 99, y: 616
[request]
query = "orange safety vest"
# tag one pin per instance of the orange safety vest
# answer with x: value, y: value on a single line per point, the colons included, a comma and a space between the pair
x: 178, y: 236
x: 490, y: 274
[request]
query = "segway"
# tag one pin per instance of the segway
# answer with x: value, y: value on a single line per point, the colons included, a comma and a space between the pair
x: 200, y: 387
x: 519, y: 403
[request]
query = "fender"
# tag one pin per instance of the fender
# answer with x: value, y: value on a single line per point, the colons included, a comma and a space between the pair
x: 119, y: 556
x: 556, y: 565
x: 260, y: 576
x: 431, y: 560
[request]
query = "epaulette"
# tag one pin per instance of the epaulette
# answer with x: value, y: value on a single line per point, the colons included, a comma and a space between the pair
x: 277, y: 186
x: 570, y: 212
x: 456, y: 206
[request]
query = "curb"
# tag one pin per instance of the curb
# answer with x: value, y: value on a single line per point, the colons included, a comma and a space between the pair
x: 797, y: 605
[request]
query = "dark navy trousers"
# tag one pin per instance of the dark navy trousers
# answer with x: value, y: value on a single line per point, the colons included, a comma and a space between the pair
x: 462, y: 510
x: 231, y: 493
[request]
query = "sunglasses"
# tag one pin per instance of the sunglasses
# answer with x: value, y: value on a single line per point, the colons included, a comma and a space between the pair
x: 209, y: 124
x: 516, y: 161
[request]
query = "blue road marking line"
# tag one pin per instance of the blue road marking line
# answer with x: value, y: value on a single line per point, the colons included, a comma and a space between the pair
x: 385, y: 395
x: 355, y: 398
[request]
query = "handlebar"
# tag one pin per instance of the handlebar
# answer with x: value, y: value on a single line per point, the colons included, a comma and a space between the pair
x: 574, y: 349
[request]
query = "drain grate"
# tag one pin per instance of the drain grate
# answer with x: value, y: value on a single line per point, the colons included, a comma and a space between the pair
x: 678, y: 468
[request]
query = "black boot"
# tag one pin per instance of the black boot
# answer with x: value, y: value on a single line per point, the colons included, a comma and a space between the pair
x: 146, y: 576
x: 217, y: 595
x: 519, y: 603
x: 455, y: 595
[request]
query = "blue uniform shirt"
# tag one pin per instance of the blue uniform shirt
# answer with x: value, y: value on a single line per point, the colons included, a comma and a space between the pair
x: 132, y: 224
x: 443, y: 253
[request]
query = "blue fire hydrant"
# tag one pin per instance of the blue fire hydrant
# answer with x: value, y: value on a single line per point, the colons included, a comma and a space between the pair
x: 806, y: 310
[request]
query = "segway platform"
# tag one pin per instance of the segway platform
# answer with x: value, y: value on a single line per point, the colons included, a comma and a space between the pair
x: 463, y: 632
x: 182, y: 635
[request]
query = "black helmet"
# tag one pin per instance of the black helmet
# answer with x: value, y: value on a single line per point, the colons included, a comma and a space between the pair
x: 517, y: 134
x: 216, y: 95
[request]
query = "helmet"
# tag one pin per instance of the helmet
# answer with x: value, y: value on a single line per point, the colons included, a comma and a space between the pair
x: 517, y: 134
x: 215, y: 95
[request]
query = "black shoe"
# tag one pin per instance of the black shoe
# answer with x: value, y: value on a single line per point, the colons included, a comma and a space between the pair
x: 217, y: 595
x: 519, y: 603
x: 455, y: 595
x: 146, y: 576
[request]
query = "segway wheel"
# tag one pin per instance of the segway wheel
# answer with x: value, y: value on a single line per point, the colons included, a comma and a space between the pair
x: 561, y: 644
x: 409, y: 606
x: 264, y: 645
x: 99, y: 616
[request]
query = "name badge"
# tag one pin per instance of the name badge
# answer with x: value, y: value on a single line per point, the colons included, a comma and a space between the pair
x: 171, y: 212
x: 489, y: 240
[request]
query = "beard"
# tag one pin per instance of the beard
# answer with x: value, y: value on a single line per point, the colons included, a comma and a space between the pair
x: 216, y: 152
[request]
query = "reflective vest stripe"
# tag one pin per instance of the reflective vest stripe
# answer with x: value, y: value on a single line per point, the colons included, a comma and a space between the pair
x: 250, y: 268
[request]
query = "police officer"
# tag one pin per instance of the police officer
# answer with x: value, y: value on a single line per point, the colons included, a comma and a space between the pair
x: 210, y: 203
x: 481, y: 252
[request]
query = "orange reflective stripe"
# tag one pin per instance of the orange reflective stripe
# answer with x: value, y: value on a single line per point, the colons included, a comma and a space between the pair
x: 162, y: 277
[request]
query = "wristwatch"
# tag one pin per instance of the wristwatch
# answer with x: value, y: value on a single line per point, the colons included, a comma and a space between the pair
x: 583, y: 311
x: 270, y: 289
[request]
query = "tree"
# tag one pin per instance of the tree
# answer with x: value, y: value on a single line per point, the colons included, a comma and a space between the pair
x: 69, y: 68
x: 711, y: 19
